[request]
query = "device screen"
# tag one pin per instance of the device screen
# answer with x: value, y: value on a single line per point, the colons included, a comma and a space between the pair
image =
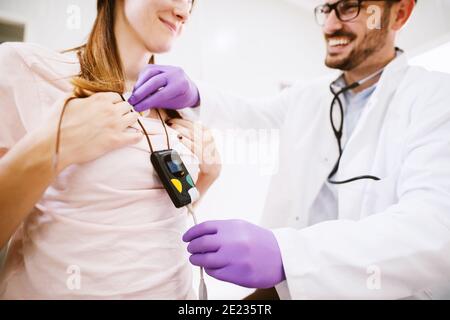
x: 174, y: 164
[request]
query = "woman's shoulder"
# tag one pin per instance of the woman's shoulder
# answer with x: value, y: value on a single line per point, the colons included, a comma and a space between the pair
x: 31, y: 52
x: 20, y: 57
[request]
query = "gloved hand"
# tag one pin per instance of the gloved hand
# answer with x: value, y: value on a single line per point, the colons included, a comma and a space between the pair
x: 236, y: 251
x: 164, y: 87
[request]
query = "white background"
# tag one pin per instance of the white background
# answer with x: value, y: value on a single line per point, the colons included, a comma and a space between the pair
x: 248, y: 47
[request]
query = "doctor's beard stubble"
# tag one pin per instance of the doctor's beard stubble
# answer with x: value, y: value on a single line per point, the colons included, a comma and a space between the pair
x: 374, y: 40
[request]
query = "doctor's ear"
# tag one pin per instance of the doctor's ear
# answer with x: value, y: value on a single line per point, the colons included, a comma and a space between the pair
x: 401, y: 12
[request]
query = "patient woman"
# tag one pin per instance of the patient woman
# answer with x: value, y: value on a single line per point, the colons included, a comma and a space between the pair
x: 97, y: 223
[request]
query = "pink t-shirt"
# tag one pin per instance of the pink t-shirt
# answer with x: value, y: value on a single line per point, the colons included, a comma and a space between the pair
x: 103, y: 230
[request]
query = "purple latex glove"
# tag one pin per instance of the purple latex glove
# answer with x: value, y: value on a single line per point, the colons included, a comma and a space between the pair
x: 164, y: 87
x: 236, y: 251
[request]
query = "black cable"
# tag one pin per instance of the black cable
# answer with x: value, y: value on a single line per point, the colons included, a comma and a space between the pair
x: 55, y: 159
x: 338, y: 135
x: 145, y: 132
x: 142, y: 127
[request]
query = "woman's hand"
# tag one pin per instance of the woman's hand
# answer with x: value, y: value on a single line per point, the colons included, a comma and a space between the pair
x: 92, y: 127
x: 200, y: 141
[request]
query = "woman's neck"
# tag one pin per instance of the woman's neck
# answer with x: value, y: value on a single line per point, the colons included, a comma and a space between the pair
x: 133, y: 59
x: 133, y: 54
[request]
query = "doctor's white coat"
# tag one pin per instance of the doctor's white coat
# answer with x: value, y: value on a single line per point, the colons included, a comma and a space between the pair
x: 392, y: 237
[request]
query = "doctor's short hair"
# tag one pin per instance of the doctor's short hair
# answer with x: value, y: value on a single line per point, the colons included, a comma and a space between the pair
x: 392, y: 2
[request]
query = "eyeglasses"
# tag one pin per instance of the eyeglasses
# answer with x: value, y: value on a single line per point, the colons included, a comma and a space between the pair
x: 346, y: 10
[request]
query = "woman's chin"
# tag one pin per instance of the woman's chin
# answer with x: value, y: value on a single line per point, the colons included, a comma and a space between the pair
x: 160, y: 48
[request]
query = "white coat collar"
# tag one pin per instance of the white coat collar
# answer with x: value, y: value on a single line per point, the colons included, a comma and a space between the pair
x: 340, y: 83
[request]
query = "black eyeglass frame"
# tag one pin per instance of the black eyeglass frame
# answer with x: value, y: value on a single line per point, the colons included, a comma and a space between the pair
x: 334, y: 7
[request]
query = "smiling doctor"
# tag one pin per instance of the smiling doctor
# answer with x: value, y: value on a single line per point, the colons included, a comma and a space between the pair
x: 360, y: 207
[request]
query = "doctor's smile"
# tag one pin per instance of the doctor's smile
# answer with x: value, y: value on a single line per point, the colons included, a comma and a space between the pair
x: 114, y: 180
x: 338, y: 41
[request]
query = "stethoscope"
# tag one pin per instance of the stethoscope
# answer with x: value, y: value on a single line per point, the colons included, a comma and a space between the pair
x: 339, y: 130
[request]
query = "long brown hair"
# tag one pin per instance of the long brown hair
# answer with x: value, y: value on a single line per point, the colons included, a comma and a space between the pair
x: 100, y: 65
x: 101, y: 69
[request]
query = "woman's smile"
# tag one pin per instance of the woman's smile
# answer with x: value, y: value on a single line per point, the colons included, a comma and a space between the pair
x: 171, y: 26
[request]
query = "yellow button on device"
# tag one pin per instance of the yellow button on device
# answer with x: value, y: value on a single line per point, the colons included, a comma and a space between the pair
x: 177, y: 185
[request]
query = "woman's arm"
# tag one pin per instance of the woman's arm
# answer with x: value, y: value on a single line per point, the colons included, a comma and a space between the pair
x: 220, y: 109
x: 25, y: 172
